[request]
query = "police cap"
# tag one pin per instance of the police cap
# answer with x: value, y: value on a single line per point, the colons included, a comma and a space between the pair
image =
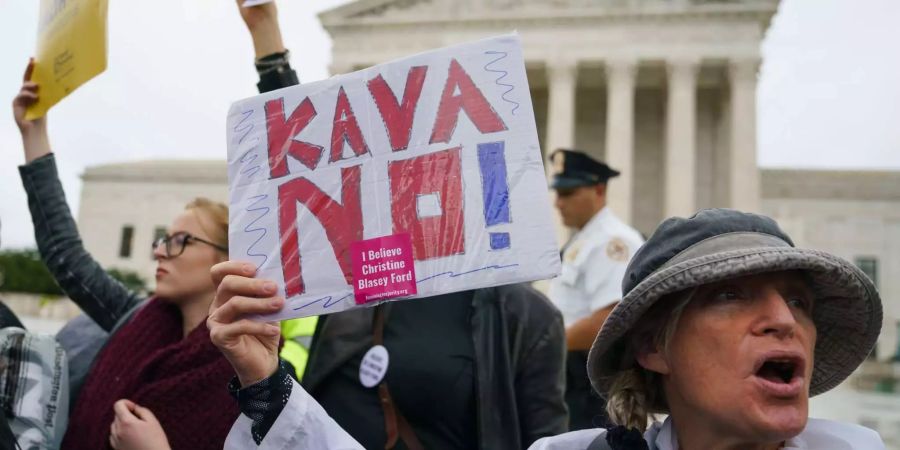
x: 574, y: 168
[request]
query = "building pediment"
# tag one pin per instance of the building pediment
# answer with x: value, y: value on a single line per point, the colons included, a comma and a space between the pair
x: 404, y: 11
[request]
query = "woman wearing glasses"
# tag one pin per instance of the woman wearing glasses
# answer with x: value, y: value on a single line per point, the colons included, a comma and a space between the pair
x: 158, y: 381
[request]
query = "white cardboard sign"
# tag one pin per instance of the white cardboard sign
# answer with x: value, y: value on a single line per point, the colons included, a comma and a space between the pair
x: 410, y: 179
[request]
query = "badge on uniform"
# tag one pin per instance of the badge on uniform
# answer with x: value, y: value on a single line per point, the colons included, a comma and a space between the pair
x: 559, y: 162
x: 616, y: 250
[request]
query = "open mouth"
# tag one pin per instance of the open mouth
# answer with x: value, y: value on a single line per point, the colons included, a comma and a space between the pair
x: 778, y: 370
x: 781, y: 375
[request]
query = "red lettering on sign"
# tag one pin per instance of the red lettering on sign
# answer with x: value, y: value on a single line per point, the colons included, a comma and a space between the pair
x: 398, y: 119
x: 437, y: 174
x: 470, y: 100
x: 346, y: 128
x: 281, y: 134
x: 342, y: 223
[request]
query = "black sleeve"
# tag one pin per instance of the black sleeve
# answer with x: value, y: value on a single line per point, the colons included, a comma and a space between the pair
x: 541, y: 377
x: 275, y: 72
x: 263, y: 402
x: 99, y: 295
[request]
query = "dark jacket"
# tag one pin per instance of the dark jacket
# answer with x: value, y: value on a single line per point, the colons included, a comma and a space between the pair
x: 519, y: 357
x: 109, y: 303
x: 520, y: 350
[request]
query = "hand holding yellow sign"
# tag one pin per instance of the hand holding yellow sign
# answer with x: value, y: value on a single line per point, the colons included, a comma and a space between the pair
x: 71, y: 49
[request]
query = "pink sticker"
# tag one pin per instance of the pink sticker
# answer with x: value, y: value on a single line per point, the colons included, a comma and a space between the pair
x: 383, y: 268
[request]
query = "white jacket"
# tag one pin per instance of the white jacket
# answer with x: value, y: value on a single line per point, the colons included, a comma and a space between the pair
x: 818, y: 435
x: 304, y: 424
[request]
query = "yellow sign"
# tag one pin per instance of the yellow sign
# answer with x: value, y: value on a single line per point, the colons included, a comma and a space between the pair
x: 71, y: 49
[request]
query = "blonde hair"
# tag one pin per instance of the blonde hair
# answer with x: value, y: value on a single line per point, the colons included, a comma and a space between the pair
x: 216, y: 215
x: 636, y: 393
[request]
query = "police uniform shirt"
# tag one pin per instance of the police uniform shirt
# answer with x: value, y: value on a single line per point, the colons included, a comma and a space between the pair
x: 593, y: 265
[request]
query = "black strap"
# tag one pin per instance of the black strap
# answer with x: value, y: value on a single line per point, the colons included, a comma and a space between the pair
x: 395, y: 425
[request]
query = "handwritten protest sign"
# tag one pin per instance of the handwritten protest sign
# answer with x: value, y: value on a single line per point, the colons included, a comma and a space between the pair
x: 71, y: 49
x: 409, y: 179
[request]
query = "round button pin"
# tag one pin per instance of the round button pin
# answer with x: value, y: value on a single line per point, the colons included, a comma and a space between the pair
x: 374, y: 366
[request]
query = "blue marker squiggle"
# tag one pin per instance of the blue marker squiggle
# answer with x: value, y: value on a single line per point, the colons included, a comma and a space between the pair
x: 250, y: 171
x: 452, y: 274
x: 263, y: 212
x: 503, y: 74
x: 328, y: 302
x: 246, y: 129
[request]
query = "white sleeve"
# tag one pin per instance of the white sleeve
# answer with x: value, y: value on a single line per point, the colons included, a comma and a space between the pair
x: 602, y: 278
x: 573, y: 440
x: 303, y: 424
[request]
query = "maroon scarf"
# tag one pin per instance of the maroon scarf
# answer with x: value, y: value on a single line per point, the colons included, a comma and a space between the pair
x: 183, y: 380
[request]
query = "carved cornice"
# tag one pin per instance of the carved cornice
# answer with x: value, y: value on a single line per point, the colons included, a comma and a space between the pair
x: 160, y: 171
x: 367, y: 14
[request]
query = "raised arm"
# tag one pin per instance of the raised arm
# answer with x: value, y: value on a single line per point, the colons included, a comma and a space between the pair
x: 34, y: 132
x: 272, y: 63
x: 100, y: 296
x: 276, y: 412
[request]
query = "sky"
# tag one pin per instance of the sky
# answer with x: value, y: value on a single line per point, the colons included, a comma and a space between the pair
x: 828, y: 94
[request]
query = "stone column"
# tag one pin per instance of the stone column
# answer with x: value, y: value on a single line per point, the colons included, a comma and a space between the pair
x: 681, y: 139
x: 561, y: 76
x: 620, y: 82
x: 744, y: 171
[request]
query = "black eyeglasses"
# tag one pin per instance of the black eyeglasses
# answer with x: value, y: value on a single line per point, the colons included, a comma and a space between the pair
x: 175, y: 243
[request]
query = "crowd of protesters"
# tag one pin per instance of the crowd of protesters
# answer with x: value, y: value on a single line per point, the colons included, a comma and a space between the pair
x: 711, y: 335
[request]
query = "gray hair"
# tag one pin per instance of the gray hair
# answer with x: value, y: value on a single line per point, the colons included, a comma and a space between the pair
x: 635, y: 392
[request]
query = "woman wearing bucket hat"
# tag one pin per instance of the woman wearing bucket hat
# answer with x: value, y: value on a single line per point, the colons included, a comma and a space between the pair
x: 728, y: 328
x: 724, y: 325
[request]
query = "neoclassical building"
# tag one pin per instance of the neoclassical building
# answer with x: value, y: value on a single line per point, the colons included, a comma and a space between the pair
x: 126, y: 206
x: 663, y: 90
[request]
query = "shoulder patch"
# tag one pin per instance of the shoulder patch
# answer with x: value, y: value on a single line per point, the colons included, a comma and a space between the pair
x: 616, y: 250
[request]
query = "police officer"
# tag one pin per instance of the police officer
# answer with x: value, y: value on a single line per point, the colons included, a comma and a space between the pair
x: 593, y: 264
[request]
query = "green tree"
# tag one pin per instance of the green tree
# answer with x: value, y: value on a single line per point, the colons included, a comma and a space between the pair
x: 23, y: 271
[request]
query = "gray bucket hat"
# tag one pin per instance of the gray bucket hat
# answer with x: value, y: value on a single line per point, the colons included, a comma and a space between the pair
x: 720, y: 244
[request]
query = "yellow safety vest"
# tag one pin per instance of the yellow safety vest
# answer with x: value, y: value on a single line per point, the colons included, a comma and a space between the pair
x: 298, y: 335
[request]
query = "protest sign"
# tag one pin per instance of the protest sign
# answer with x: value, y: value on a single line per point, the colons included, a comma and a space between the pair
x: 409, y: 179
x: 71, y: 49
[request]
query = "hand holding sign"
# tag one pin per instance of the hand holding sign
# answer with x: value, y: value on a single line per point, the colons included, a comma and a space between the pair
x: 28, y: 95
x: 433, y: 158
x: 262, y: 23
x: 257, y: 13
x: 251, y: 347
x: 35, y: 141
